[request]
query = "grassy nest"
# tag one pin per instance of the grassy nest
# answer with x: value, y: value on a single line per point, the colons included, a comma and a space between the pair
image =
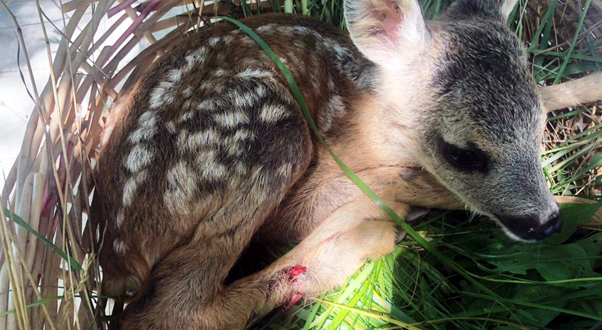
x: 50, y: 275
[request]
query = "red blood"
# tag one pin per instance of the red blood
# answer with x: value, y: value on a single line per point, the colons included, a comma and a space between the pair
x: 297, y: 270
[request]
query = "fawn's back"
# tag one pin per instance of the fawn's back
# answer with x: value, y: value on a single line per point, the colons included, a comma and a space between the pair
x: 187, y: 137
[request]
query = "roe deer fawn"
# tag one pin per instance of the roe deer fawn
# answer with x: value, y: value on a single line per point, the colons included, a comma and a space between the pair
x: 204, y: 155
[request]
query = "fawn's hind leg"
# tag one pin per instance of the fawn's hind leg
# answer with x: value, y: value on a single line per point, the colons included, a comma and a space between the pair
x: 185, y: 289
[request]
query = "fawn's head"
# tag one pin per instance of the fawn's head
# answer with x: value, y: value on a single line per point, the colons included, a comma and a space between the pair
x: 458, y: 93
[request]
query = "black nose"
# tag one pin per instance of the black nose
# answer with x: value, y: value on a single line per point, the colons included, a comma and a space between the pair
x: 529, y: 228
x: 552, y: 226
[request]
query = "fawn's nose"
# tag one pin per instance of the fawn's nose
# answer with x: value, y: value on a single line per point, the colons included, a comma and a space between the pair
x: 552, y: 226
x: 530, y: 228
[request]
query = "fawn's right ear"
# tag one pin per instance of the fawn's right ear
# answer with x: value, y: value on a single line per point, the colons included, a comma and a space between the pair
x: 383, y: 28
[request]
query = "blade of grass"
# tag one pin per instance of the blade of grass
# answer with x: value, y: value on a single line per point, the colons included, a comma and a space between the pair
x: 573, y: 43
x: 34, y: 304
x: 17, y: 219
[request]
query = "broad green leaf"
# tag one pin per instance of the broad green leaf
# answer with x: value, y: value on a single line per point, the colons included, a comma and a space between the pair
x: 572, y: 216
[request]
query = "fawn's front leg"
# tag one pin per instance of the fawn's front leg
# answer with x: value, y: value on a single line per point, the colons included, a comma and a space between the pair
x: 335, y: 250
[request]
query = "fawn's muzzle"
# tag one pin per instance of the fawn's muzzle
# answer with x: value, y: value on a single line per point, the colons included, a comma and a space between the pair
x: 530, y: 228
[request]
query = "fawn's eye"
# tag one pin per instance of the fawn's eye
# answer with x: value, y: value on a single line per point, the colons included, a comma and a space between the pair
x: 465, y: 159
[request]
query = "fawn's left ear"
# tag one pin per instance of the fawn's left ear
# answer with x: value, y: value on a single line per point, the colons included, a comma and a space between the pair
x: 497, y: 9
x: 383, y: 28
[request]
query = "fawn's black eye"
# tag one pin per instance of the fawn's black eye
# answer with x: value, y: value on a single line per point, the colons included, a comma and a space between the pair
x: 466, y: 159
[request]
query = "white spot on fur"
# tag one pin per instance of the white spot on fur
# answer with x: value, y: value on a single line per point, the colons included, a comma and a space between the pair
x: 233, y: 148
x: 120, y: 218
x: 301, y: 29
x: 193, y: 142
x: 254, y: 73
x: 260, y: 91
x: 269, y: 27
x: 119, y: 246
x: 247, y: 41
x: 146, y: 128
x: 243, y: 134
x: 204, y: 138
x: 285, y: 170
x: 171, y: 127
x: 182, y: 140
x: 213, y: 41
x: 334, y: 47
x: 219, y: 72
x: 138, y: 158
x: 130, y: 187
x: 336, y: 106
x: 163, y: 94
x: 186, y: 116
x: 174, y: 75
x: 234, y: 144
x: 207, y: 105
x: 147, y: 119
x: 231, y: 119
x: 271, y: 113
x: 334, y: 109
x: 298, y: 44
x: 195, y: 58
x: 294, y: 29
x: 210, y: 168
x: 241, y: 169
x: 243, y: 101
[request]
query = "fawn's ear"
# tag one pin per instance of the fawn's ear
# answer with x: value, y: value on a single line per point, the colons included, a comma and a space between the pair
x: 383, y: 28
x: 498, y: 9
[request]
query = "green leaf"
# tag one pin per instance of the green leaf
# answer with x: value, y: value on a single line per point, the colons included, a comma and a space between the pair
x: 592, y: 245
x: 572, y: 216
x: 552, y: 262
